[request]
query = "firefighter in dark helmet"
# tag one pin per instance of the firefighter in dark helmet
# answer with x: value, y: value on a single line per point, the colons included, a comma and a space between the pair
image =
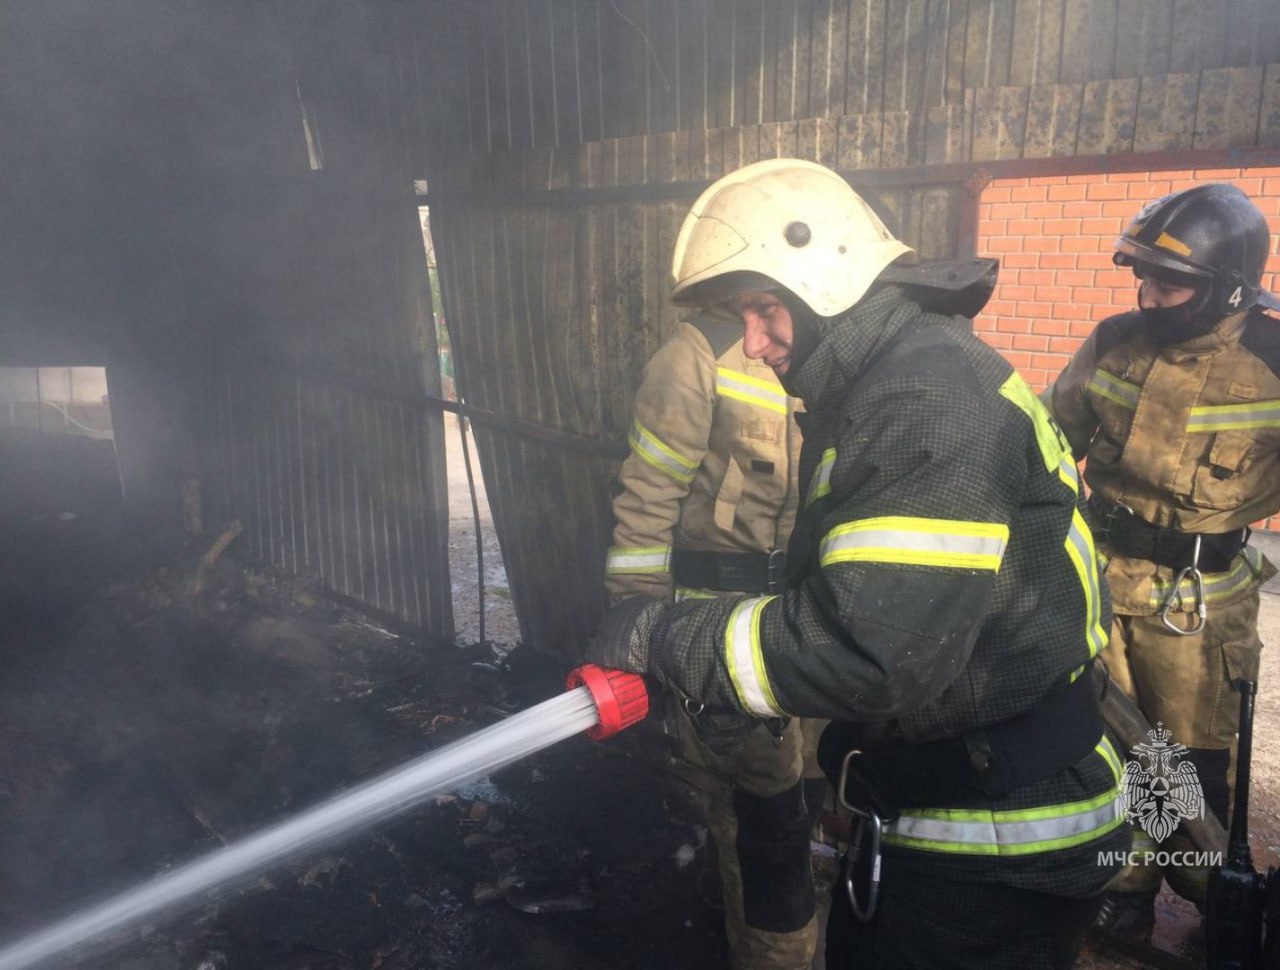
x: 942, y: 603
x: 1175, y: 408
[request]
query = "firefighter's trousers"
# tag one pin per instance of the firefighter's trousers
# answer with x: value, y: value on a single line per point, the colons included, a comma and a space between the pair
x: 763, y: 802
x: 1185, y: 683
x: 926, y: 920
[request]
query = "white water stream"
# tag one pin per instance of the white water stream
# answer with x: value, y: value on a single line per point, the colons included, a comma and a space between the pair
x: 472, y: 757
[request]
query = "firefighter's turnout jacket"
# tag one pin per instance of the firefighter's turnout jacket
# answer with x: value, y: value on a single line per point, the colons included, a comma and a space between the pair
x: 714, y: 453
x: 1186, y: 436
x: 942, y: 590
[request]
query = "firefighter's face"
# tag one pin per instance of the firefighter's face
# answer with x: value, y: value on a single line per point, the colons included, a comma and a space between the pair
x: 1155, y: 293
x: 767, y: 328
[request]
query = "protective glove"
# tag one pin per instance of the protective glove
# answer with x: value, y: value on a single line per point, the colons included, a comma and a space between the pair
x: 624, y: 638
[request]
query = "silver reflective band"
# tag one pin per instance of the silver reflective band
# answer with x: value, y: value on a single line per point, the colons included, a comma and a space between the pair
x: 752, y: 390
x: 917, y: 541
x: 1080, y: 550
x: 1234, y: 417
x: 820, y: 483
x: 967, y: 832
x: 745, y: 659
x: 650, y: 448
x: 1217, y: 586
x: 1114, y: 389
x: 638, y: 559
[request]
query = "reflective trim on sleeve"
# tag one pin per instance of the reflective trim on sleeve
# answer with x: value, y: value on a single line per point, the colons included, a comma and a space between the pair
x: 650, y: 448
x: 917, y: 542
x: 1084, y: 558
x: 1114, y: 389
x: 820, y: 482
x: 1054, y: 448
x: 1217, y: 586
x: 1234, y: 417
x: 689, y: 593
x: 1010, y: 833
x: 637, y: 559
x: 752, y: 390
x: 745, y: 660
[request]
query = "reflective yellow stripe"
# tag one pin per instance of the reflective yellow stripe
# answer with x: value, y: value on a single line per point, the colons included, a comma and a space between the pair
x: 650, y: 448
x: 1114, y: 389
x: 637, y: 559
x: 1217, y: 586
x: 820, y: 483
x: 1080, y: 550
x: 1011, y: 833
x: 752, y: 390
x: 1054, y: 448
x: 917, y: 542
x: 746, y: 661
x: 1108, y: 753
x: 688, y: 593
x: 1234, y: 417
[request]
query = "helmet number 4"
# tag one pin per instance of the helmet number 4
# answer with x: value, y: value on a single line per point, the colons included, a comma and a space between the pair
x: 1236, y: 298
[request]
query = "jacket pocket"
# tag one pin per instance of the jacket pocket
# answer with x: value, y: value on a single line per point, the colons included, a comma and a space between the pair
x: 1219, y: 478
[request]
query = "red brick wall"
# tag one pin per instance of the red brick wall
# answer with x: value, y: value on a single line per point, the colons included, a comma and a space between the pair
x: 1055, y: 236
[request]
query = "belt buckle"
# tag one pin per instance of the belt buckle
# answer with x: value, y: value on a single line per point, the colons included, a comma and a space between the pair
x: 1109, y: 522
x: 774, y: 567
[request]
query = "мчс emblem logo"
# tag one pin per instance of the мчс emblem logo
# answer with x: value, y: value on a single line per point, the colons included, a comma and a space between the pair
x: 1160, y: 787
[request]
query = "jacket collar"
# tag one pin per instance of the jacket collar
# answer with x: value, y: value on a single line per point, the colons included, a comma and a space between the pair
x: 850, y: 343
x: 1225, y: 334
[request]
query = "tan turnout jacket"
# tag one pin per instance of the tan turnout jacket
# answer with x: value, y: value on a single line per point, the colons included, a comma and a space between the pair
x: 1188, y: 436
x: 714, y: 453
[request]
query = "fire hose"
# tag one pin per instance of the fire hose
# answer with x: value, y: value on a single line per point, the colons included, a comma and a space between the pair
x: 600, y: 702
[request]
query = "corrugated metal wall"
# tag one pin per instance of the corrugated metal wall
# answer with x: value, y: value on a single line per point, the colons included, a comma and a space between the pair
x: 323, y: 432
x: 564, y: 140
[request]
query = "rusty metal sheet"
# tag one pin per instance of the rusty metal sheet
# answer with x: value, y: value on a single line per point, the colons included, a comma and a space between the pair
x: 859, y: 142
x: 817, y: 140
x: 1228, y: 107
x: 899, y: 139
x: 1165, y: 118
x: 944, y: 135
x: 838, y: 22
x: 1269, y: 114
x: 821, y: 58
x: 1053, y: 118
x: 957, y: 14
x: 999, y: 123
x: 1108, y: 110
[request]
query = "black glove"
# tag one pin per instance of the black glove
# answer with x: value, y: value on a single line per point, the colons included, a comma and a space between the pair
x: 623, y: 640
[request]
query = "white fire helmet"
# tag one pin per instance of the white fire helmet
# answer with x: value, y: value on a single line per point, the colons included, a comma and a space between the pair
x: 795, y: 222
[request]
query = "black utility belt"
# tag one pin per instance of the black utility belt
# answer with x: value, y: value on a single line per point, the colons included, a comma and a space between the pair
x: 983, y: 763
x: 740, y: 572
x: 1136, y: 538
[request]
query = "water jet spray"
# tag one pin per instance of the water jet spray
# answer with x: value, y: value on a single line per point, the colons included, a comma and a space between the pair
x: 600, y: 702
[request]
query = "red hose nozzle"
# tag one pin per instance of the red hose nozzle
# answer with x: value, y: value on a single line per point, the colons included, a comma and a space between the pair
x: 621, y: 698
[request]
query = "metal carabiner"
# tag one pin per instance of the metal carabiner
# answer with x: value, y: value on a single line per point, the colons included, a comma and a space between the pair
x: 1197, y: 585
x: 862, y: 911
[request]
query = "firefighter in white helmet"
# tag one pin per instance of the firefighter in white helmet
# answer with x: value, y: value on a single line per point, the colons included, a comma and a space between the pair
x: 941, y: 604
x: 706, y: 503
x: 1175, y: 409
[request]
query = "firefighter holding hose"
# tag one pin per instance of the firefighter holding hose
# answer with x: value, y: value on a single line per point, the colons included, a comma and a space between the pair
x: 941, y: 602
